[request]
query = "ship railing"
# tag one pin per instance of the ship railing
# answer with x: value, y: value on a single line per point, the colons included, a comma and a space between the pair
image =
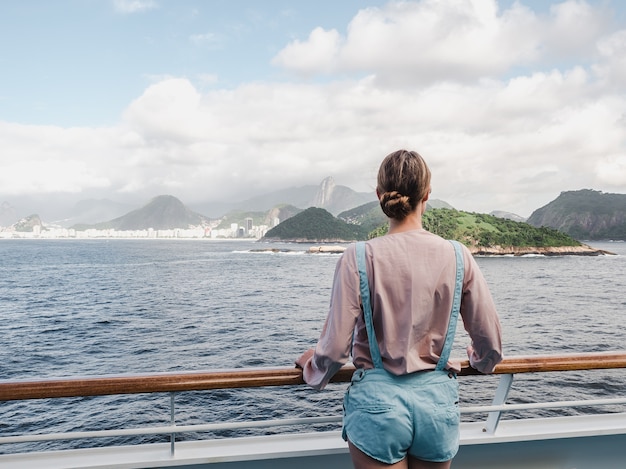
x: 174, y: 383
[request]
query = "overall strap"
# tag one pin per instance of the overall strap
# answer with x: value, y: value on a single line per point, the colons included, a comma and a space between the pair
x: 456, y: 306
x: 367, y: 305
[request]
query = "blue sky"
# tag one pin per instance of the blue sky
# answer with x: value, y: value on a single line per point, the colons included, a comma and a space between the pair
x: 510, y: 102
x: 81, y: 62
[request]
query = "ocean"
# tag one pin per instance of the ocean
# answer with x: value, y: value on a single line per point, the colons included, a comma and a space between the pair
x: 92, y: 307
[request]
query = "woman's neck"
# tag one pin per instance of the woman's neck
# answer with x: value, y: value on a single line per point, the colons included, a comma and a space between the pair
x: 413, y: 221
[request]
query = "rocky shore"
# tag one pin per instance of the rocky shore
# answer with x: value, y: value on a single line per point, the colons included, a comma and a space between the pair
x: 582, y: 250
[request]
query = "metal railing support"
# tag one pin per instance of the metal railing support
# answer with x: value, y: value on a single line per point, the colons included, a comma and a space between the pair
x: 502, y: 392
x: 172, y: 423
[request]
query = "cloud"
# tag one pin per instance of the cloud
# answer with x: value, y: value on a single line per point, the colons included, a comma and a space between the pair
x: 572, y: 29
x: 316, y: 55
x: 611, y: 68
x: 424, y: 42
x: 133, y: 6
x: 506, y: 133
x: 611, y: 170
x: 46, y: 159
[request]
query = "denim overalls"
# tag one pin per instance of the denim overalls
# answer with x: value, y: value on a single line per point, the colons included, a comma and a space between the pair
x: 388, y: 416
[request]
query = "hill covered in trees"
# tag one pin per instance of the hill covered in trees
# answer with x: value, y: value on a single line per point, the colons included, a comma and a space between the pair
x: 487, y: 234
x: 482, y: 233
x: 316, y: 225
x: 370, y: 216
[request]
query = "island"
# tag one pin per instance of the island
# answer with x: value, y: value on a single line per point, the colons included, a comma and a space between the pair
x: 484, y: 235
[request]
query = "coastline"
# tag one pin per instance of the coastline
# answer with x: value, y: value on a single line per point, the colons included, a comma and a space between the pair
x: 582, y: 250
x: 338, y: 246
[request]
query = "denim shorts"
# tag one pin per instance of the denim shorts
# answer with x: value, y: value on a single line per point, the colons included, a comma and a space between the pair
x: 388, y: 416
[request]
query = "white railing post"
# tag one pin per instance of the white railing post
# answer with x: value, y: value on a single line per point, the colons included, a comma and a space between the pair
x: 502, y: 392
x: 172, y: 422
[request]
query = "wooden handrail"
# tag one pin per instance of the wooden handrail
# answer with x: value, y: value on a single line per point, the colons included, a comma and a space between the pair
x: 284, y: 376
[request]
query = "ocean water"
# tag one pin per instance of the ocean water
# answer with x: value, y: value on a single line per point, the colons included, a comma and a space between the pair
x: 92, y: 307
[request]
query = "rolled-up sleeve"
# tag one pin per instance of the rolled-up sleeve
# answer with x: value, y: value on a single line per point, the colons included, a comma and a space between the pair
x: 333, y: 347
x: 480, y: 319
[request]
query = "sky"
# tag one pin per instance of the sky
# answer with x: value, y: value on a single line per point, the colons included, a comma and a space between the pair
x: 509, y: 102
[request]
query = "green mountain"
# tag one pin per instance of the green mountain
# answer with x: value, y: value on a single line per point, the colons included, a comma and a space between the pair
x: 486, y: 234
x: 585, y: 214
x: 482, y: 233
x: 161, y: 213
x: 482, y: 230
x: 370, y: 216
x: 315, y: 225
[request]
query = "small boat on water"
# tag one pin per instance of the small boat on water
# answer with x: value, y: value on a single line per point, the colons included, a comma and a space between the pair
x: 593, y: 440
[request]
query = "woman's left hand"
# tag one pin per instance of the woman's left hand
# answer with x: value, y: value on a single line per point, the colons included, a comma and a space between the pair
x: 304, y: 358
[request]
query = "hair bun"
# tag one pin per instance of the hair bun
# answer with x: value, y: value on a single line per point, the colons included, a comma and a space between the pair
x: 395, y: 205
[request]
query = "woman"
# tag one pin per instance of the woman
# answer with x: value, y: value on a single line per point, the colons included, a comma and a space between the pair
x: 394, y: 310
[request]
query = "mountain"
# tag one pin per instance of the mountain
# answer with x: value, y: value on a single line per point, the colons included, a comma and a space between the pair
x: 482, y: 230
x: 488, y: 235
x: 336, y: 199
x: 481, y: 233
x: 315, y: 225
x: 296, y: 196
x: 436, y: 203
x: 328, y: 195
x: 161, y: 213
x: 585, y: 214
x: 370, y: 215
x: 27, y: 224
x: 507, y: 215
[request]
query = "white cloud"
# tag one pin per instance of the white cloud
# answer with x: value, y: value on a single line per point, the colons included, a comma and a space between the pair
x: 423, y: 42
x: 572, y: 29
x: 317, y: 55
x: 612, y: 67
x: 498, y: 136
x: 420, y: 42
x: 45, y: 159
x: 611, y: 170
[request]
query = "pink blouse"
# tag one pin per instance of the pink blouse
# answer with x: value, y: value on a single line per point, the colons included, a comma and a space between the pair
x: 411, y: 279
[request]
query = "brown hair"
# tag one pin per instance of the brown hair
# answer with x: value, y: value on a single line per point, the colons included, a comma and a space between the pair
x: 403, y: 181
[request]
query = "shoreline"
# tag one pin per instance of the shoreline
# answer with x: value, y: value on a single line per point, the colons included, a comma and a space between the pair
x: 583, y: 250
x: 339, y: 246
